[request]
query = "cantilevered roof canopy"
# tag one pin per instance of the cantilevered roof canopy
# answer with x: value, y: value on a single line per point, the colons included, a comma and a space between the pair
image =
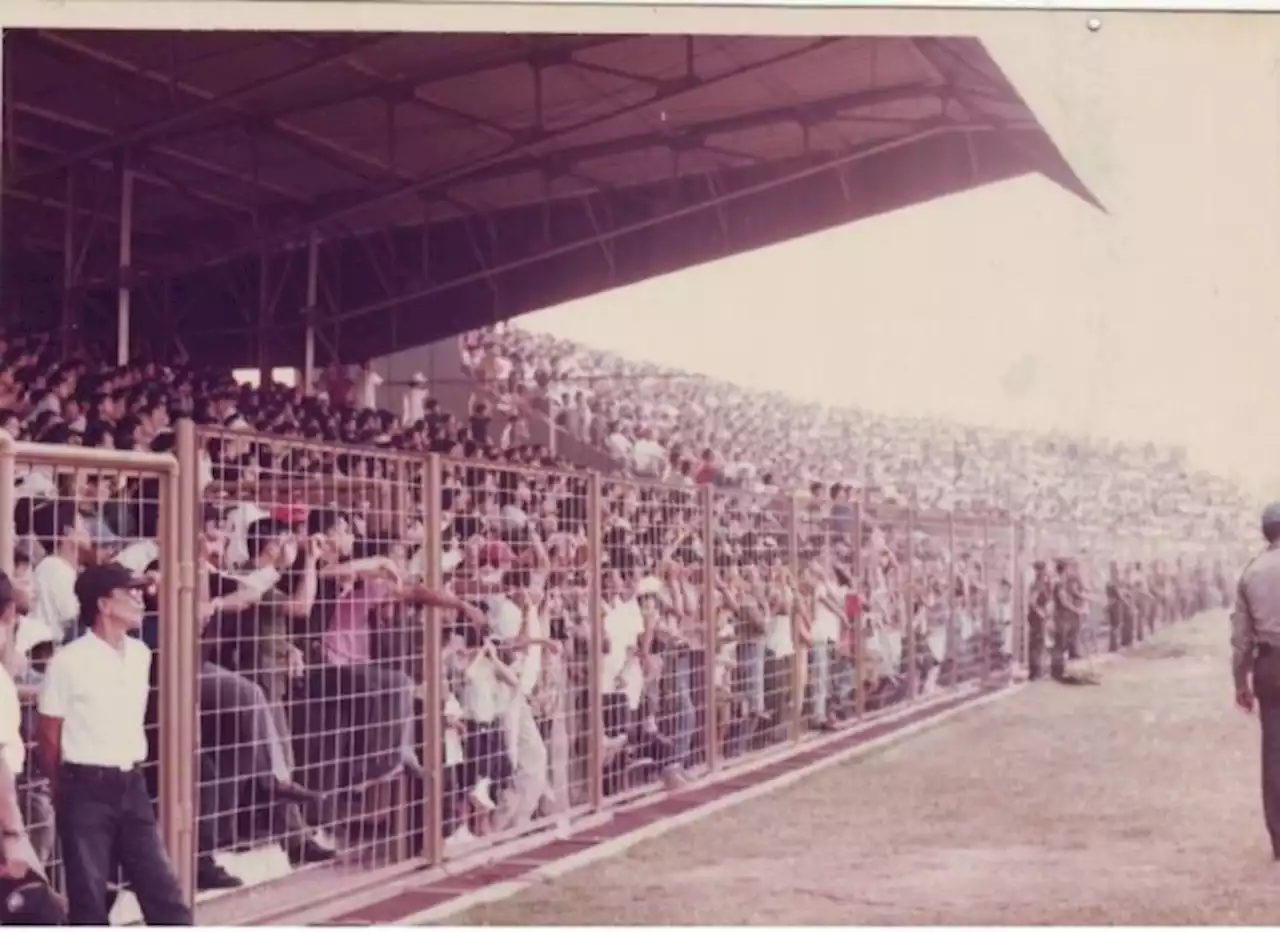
x: 450, y: 180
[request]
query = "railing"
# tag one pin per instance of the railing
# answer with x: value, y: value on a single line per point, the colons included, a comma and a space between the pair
x: 328, y: 714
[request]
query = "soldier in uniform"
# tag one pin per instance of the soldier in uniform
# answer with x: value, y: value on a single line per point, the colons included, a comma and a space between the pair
x: 1255, y: 659
x: 1119, y: 611
x: 1161, y: 588
x: 1181, y: 596
x: 1039, y: 607
x: 1144, y: 601
x: 1220, y: 582
x: 1068, y: 609
x: 1203, y: 599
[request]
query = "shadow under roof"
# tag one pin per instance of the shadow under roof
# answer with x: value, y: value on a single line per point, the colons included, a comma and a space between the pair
x: 452, y: 180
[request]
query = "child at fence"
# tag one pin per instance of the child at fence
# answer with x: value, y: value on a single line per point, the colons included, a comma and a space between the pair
x: 780, y: 649
x: 488, y: 686
x: 456, y: 828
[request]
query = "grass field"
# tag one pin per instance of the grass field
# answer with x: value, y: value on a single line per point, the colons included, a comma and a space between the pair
x: 1131, y: 802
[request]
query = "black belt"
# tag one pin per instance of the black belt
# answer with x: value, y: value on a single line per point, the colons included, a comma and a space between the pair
x: 97, y: 771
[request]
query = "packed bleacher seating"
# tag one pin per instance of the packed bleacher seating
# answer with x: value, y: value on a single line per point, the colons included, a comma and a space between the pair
x: 730, y: 616
x: 661, y: 423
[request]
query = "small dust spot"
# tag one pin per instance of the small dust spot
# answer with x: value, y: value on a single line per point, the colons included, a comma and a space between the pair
x: 1020, y: 378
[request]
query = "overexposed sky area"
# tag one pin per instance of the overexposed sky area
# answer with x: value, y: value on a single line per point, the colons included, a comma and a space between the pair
x: 1017, y: 304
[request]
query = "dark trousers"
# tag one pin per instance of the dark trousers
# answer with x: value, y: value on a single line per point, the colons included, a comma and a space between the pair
x: 105, y: 821
x: 1035, y: 646
x: 1266, y: 686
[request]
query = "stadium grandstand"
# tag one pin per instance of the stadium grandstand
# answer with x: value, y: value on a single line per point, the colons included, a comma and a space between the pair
x: 535, y: 585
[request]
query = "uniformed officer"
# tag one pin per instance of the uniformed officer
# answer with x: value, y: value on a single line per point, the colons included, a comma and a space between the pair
x: 1119, y: 622
x: 1039, y: 605
x: 1068, y: 610
x: 1255, y: 655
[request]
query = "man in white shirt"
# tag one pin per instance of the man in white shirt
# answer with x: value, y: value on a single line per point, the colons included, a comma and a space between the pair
x: 648, y: 457
x: 413, y: 407
x: 518, y: 623
x: 367, y: 384
x: 92, y: 742
x: 62, y: 533
x: 828, y: 620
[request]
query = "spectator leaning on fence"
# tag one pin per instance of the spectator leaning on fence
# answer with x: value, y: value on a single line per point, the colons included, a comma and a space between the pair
x: 25, y: 894
x: 92, y: 742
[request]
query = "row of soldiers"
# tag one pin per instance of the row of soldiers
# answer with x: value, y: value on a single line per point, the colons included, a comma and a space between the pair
x: 1138, y: 599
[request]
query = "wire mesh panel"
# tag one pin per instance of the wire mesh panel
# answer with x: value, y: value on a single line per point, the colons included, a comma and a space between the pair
x: 311, y: 592
x: 890, y: 644
x: 829, y: 560
x: 516, y: 666
x: 761, y: 621
x: 73, y: 508
x: 755, y: 554
x: 999, y: 602
x: 658, y: 636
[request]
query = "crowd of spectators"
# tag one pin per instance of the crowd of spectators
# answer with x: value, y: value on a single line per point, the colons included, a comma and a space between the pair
x: 663, y: 423
x: 722, y: 633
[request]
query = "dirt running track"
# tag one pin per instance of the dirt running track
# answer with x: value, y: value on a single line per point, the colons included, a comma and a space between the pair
x: 1132, y: 802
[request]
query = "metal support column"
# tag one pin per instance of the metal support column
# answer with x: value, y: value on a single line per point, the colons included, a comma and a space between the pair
x: 68, y: 263
x: 123, y: 295
x: 261, y: 356
x: 313, y: 282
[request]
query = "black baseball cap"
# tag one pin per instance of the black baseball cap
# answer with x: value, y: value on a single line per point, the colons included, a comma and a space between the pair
x: 98, y: 582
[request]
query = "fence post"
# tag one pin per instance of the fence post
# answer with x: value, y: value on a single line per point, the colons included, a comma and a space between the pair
x: 180, y: 656
x: 953, y: 579
x: 1018, y: 579
x: 595, y: 602
x: 433, y: 670
x: 710, y: 620
x: 858, y: 624
x: 8, y: 479
x: 799, y: 655
x: 907, y: 582
x: 989, y: 579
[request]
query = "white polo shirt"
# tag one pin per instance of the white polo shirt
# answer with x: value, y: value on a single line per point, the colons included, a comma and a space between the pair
x: 826, y: 623
x: 506, y: 620
x: 100, y: 694
x: 11, y: 743
x: 56, y: 602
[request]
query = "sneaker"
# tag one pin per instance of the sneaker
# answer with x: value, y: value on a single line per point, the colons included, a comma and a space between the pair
x: 311, y: 851
x: 210, y: 875
x: 481, y: 797
x: 458, y: 843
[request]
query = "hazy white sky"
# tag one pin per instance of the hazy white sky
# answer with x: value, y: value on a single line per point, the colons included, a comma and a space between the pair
x: 1159, y: 319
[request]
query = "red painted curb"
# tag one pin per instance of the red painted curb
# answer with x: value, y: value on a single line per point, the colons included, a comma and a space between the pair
x: 407, y: 903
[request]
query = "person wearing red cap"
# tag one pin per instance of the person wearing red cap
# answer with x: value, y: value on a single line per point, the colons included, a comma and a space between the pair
x: 91, y: 742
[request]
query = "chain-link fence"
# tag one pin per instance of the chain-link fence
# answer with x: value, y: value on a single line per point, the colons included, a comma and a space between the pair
x: 369, y: 660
